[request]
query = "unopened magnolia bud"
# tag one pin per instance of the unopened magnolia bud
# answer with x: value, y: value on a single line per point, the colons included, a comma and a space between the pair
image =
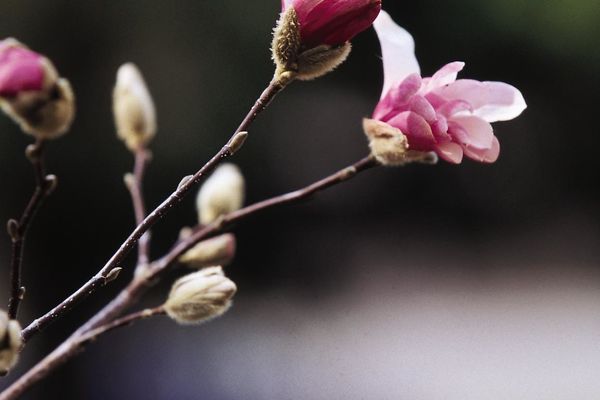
x: 390, y: 146
x: 31, y: 92
x: 218, y: 250
x: 10, y: 343
x: 133, y: 108
x: 44, y: 114
x: 200, y: 296
x: 222, y: 193
x: 291, y: 54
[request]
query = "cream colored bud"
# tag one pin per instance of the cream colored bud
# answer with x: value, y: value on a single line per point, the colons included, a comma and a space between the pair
x: 10, y: 343
x: 222, y: 193
x: 200, y: 296
x: 218, y: 250
x: 133, y: 108
x: 46, y: 114
x: 390, y: 146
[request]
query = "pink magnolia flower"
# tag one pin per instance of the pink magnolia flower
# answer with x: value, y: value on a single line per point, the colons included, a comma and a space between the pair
x: 441, y: 114
x: 20, y: 69
x: 332, y: 22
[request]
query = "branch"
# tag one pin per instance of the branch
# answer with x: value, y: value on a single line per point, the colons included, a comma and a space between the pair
x: 18, y: 229
x: 112, y: 267
x: 141, y: 283
x: 70, y: 348
x: 134, y: 185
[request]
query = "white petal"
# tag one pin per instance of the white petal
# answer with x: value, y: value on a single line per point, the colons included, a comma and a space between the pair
x: 398, y: 50
x: 512, y: 107
x: 491, y: 101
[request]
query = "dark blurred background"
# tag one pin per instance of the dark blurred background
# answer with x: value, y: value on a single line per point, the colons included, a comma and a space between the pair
x: 446, y: 282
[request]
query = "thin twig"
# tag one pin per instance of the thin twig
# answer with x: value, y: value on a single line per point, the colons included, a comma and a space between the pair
x: 73, y: 346
x: 141, y: 283
x: 119, y: 323
x: 104, y: 275
x: 134, y: 185
x: 17, y: 229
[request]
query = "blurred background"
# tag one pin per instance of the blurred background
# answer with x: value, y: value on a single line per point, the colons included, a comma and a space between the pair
x: 422, y: 283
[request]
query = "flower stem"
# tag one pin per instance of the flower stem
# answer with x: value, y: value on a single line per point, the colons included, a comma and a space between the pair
x: 134, y: 185
x: 103, y: 275
x: 69, y: 348
x: 17, y: 229
x: 141, y: 283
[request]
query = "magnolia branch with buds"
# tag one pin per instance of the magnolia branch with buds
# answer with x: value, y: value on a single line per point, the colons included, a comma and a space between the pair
x: 132, y: 293
x: 112, y: 268
x: 406, y: 127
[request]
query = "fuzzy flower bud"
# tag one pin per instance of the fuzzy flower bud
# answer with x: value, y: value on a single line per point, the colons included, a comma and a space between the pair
x: 200, y: 296
x: 10, y: 343
x: 133, y: 108
x: 32, y: 93
x: 312, y: 36
x: 218, y: 250
x: 222, y: 193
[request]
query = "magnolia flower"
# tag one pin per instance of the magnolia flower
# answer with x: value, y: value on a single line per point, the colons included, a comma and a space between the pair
x: 332, y: 22
x: 313, y: 37
x: 440, y: 114
x: 32, y: 93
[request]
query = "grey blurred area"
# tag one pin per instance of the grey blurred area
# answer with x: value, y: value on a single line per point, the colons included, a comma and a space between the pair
x: 422, y: 283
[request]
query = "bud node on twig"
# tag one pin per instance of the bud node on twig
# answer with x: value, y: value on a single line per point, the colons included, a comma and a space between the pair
x: 237, y: 141
x: 112, y: 275
x: 13, y: 228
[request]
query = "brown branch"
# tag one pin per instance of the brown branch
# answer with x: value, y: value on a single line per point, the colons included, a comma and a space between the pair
x: 17, y: 229
x: 141, y: 283
x: 108, y: 272
x: 73, y: 346
x: 134, y: 185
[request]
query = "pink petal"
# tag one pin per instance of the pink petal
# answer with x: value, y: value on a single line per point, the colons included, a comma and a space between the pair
x: 450, y: 152
x: 397, y: 97
x: 422, y: 107
x: 20, y: 69
x: 453, y: 107
x: 479, y: 133
x: 416, y: 129
x: 398, y: 50
x: 440, y: 129
x: 334, y: 22
x: 486, y: 156
x: 444, y: 76
x: 492, y: 101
